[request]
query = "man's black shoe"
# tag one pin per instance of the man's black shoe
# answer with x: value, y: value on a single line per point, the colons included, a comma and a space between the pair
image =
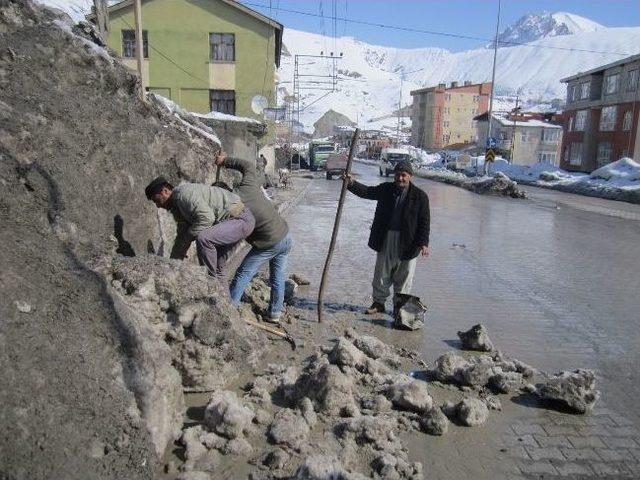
x: 375, y: 307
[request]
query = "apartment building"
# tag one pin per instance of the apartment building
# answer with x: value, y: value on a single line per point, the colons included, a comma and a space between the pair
x: 442, y: 117
x: 523, y: 138
x: 601, y: 126
x: 205, y: 55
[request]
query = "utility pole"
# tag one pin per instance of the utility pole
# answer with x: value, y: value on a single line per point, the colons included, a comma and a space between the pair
x: 102, y: 18
x: 513, y: 130
x: 400, y: 102
x: 493, y: 76
x: 137, y: 7
x: 399, y: 109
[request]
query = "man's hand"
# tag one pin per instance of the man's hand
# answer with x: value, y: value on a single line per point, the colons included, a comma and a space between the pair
x: 348, y: 176
x: 220, y: 157
x: 424, y: 250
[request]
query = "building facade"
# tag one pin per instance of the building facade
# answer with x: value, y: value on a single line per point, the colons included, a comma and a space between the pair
x: 602, y: 111
x: 522, y: 138
x: 443, y: 116
x: 205, y: 55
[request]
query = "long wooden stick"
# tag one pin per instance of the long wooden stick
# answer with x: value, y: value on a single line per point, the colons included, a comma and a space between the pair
x: 284, y: 335
x: 336, y: 223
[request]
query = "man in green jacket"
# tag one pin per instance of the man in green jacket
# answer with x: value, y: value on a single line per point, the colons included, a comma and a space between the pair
x: 214, y: 217
x: 270, y: 238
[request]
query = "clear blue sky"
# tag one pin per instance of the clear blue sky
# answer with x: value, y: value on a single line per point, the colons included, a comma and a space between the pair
x: 475, y: 18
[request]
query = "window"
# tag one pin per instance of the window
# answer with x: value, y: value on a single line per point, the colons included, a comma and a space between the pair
x: 608, y: 118
x: 611, y: 83
x: 632, y: 80
x: 581, y: 121
x: 129, y: 44
x: 570, y: 124
x: 584, y: 90
x: 547, y: 158
x: 576, y: 92
x: 223, y: 47
x: 550, y: 134
x: 604, y: 153
x: 223, y: 101
x: 626, y: 121
x: 524, y: 137
x: 575, y: 155
x: 570, y: 91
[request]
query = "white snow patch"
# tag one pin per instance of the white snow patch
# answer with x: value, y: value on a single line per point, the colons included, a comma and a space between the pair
x: 93, y: 47
x: 625, y: 170
x: 181, y: 114
x: 225, y: 117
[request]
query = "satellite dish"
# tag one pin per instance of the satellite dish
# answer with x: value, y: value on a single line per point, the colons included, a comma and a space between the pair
x: 259, y: 103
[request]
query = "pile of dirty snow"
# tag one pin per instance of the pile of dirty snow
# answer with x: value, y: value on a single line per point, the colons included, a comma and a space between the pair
x: 96, y: 348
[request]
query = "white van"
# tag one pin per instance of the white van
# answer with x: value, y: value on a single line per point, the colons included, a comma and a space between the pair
x: 389, y: 157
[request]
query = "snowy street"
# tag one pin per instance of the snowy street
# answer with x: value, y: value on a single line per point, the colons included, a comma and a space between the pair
x: 557, y: 286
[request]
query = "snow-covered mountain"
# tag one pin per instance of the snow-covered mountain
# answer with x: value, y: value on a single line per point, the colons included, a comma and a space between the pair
x: 370, y: 76
x: 535, y: 26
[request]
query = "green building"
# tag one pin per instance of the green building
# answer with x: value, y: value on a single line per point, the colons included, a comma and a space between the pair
x: 203, y: 54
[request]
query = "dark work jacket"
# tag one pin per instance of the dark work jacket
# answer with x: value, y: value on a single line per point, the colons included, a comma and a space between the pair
x: 414, y: 227
x: 270, y: 226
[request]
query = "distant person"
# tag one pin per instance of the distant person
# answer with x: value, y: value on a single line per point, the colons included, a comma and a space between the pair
x: 400, y: 232
x: 212, y: 216
x: 270, y: 239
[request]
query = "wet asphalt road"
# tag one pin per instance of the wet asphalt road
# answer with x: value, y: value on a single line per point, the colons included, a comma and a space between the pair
x: 555, y: 279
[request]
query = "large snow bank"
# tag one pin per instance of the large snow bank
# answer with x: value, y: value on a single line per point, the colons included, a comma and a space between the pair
x: 624, y: 169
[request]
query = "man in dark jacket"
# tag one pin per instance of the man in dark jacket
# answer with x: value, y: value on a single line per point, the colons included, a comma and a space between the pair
x: 400, y: 232
x: 270, y: 238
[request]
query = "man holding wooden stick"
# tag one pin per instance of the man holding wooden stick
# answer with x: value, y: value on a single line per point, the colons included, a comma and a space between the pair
x: 400, y: 233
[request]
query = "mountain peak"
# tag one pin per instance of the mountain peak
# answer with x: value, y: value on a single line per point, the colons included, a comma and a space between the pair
x: 535, y: 26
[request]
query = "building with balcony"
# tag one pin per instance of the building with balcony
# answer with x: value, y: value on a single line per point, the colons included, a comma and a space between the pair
x: 205, y: 55
x: 522, y: 138
x: 601, y: 116
x: 442, y: 117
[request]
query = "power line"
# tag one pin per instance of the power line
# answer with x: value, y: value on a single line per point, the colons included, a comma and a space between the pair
x: 442, y: 34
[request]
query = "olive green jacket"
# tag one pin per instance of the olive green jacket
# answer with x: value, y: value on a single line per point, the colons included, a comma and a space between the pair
x: 196, y: 207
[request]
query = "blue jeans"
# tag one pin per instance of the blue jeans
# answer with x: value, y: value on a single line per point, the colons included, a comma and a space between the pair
x: 277, y: 256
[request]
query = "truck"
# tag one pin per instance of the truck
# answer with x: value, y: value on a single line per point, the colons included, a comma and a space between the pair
x: 319, y: 151
x: 336, y: 164
x: 389, y: 157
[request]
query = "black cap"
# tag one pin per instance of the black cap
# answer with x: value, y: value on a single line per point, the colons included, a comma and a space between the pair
x: 403, y: 166
x: 155, y: 186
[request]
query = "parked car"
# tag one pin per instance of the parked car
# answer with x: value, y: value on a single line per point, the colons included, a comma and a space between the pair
x: 335, y: 164
x: 389, y: 157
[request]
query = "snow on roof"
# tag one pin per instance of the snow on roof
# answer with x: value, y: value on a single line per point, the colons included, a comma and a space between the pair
x: 225, y: 117
x: 530, y: 122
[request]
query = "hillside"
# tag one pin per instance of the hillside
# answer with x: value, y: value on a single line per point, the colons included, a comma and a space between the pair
x: 369, y: 75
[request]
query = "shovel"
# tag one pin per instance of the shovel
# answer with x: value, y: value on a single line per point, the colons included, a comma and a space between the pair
x: 284, y: 334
